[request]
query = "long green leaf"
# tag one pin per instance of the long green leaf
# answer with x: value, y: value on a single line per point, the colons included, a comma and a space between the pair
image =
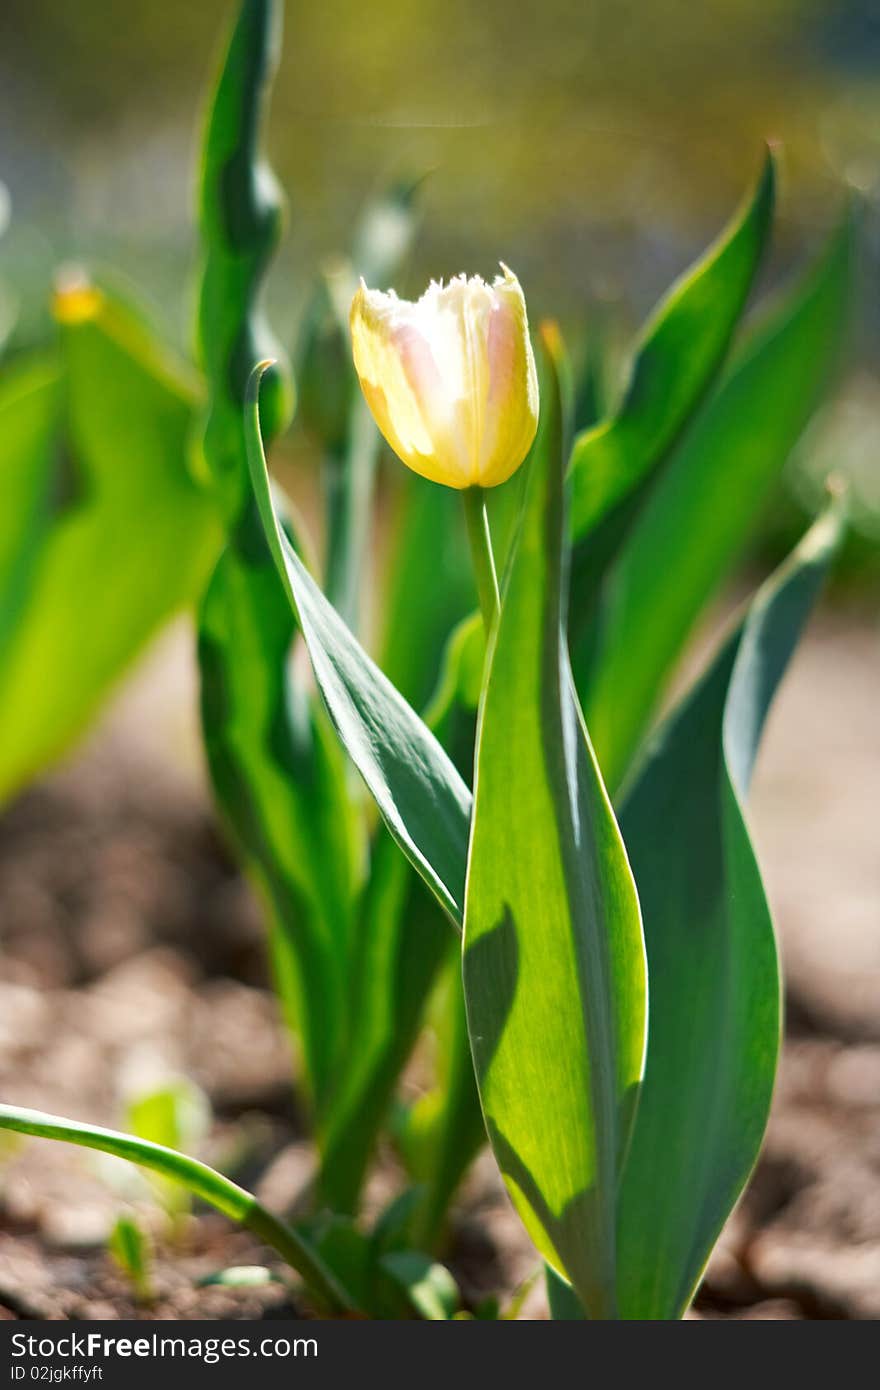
x: 698, y: 518
x: 441, y: 1133
x: 418, y: 613
x: 422, y: 797
x: 280, y: 780
x: 402, y: 939
x: 615, y: 463
x: 401, y: 943
x: 30, y: 412
x: 240, y: 219
x: 554, y: 967
x: 204, y: 1182
x: 277, y: 773
x: 714, y: 1020
x: 132, y: 540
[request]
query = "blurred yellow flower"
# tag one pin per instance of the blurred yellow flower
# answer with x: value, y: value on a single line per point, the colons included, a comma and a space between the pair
x: 450, y: 379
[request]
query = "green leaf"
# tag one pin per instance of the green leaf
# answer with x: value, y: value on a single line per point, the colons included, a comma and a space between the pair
x: 277, y: 774
x: 240, y: 221
x: 554, y: 967
x: 402, y: 938
x: 418, y: 613
x: 614, y: 464
x: 619, y: 462
x: 346, y: 1250
x: 441, y: 1133
x: 714, y: 1021
x: 130, y: 1249
x: 204, y: 1182
x: 31, y: 399
x: 279, y: 779
x: 565, y: 1306
x: 427, y: 1286
x: 132, y: 539
x: 698, y: 518
x: 422, y: 797
x: 401, y: 942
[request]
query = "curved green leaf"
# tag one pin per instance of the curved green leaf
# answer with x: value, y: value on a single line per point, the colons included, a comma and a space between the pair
x: 554, y: 967
x: 240, y: 220
x: 278, y: 776
x: 280, y: 781
x: 422, y: 797
x: 713, y: 1033
x: 31, y: 402
x: 614, y: 464
x: 710, y: 494
x: 204, y: 1182
x: 132, y: 539
x: 401, y: 941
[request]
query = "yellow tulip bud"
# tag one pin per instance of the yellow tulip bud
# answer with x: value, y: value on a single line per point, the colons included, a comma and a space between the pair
x: 450, y: 379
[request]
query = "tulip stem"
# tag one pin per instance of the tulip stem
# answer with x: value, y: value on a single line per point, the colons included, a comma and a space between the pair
x: 480, y: 539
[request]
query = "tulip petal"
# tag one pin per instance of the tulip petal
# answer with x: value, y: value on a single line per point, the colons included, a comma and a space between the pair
x: 450, y: 379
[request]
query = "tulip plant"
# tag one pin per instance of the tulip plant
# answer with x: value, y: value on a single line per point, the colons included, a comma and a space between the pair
x: 562, y: 890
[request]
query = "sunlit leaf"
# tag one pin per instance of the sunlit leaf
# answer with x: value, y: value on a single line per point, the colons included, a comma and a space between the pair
x: 277, y: 773
x: 554, y: 968
x: 421, y: 795
x: 702, y: 511
x: 204, y: 1182
x: 714, y: 1021
x: 132, y: 539
x: 31, y: 465
x: 680, y: 350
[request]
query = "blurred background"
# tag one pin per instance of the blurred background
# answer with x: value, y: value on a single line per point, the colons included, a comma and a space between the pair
x: 596, y: 148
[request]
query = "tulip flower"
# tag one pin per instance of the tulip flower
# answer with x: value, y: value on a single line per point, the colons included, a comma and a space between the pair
x: 450, y: 379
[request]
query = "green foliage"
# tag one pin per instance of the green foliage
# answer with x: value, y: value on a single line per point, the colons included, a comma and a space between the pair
x: 352, y: 961
x: 426, y: 1285
x: 554, y: 969
x: 418, y: 612
x: 108, y: 520
x: 280, y: 782
x: 711, y: 493
x: 30, y: 406
x: 421, y: 795
x: 240, y: 217
x: 203, y: 1182
x: 714, y: 1021
x: 402, y: 944
x: 130, y: 1248
x: 622, y: 1156
x: 277, y: 775
x: 614, y: 463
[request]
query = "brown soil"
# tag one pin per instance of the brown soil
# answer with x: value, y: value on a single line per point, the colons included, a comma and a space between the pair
x: 132, y: 950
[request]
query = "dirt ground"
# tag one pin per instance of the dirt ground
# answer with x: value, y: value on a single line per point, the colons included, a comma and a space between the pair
x: 132, y: 950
